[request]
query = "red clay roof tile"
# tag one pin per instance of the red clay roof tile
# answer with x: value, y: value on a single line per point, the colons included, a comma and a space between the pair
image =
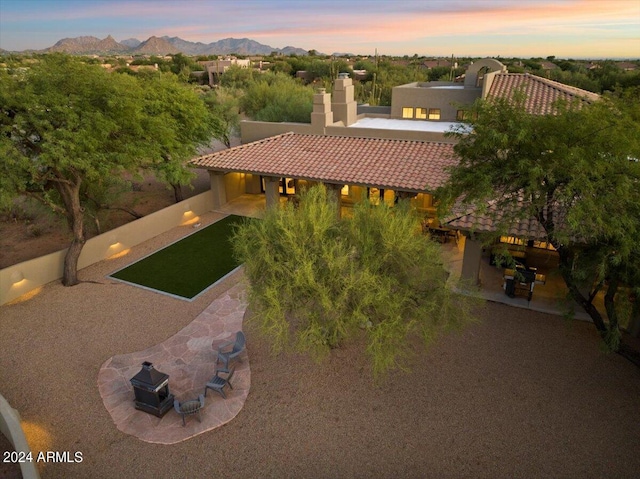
x: 541, y: 93
x: 393, y: 164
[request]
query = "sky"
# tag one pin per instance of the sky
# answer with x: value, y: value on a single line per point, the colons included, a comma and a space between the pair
x: 478, y: 28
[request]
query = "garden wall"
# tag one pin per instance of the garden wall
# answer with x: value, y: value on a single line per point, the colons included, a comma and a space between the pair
x: 28, y: 276
x: 12, y: 430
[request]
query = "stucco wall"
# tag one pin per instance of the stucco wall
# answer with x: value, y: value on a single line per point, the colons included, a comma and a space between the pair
x: 234, y: 185
x: 258, y: 130
x: 420, y: 95
x: 29, y: 275
x: 12, y: 430
x: 388, y: 134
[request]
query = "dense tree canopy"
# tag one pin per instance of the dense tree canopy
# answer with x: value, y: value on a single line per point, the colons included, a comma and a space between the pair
x: 182, y: 123
x: 224, y: 104
x: 277, y: 97
x: 67, y: 128
x: 577, y: 173
x: 316, y: 280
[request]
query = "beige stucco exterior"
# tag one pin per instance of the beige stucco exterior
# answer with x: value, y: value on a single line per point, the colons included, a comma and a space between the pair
x: 215, y: 68
x: 446, y: 98
x: 11, y: 428
x: 22, y: 278
x: 334, y: 114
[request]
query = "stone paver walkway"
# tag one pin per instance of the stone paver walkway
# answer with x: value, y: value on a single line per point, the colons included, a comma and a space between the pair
x: 189, y: 358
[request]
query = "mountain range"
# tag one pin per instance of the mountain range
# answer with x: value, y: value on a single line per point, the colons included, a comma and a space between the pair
x: 166, y: 45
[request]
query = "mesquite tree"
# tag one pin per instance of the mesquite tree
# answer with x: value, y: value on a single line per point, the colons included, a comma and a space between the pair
x: 577, y: 173
x: 67, y: 127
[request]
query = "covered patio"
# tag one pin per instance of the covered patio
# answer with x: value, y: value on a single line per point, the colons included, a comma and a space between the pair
x: 381, y: 170
x: 247, y: 179
x: 548, y: 298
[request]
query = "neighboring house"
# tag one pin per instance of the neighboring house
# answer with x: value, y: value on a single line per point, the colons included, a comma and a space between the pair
x: 548, y: 66
x: 439, y: 63
x: 627, y: 66
x: 383, y: 157
x: 215, y: 68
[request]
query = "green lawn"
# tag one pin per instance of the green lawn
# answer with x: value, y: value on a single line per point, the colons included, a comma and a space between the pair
x: 189, y: 266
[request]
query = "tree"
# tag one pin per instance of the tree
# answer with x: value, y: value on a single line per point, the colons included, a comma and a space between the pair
x: 317, y: 281
x: 238, y: 77
x: 66, y: 128
x: 182, y: 123
x: 223, y: 103
x: 277, y: 97
x: 576, y: 173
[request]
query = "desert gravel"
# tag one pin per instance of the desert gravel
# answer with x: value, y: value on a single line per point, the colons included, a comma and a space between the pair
x: 518, y: 394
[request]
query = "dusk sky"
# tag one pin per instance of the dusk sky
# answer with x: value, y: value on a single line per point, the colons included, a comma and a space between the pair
x: 523, y: 28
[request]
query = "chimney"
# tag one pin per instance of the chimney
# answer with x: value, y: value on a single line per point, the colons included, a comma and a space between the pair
x: 345, y: 108
x: 322, y: 116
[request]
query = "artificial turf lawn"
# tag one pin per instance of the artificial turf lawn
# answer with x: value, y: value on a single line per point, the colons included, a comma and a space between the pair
x: 189, y: 266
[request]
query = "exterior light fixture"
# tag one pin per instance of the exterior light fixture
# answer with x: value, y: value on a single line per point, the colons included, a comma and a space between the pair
x: 16, y: 277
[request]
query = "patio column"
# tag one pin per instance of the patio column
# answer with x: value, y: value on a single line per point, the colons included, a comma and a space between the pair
x: 471, y: 260
x: 271, y: 193
x: 218, y: 188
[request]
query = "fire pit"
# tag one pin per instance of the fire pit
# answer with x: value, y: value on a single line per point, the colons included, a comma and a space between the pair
x: 151, y: 389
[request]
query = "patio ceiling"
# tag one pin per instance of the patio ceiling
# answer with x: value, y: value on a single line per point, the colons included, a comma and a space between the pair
x: 400, y: 165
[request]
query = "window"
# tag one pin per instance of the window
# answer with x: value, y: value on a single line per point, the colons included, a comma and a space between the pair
x: 434, y: 113
x: 407, y: 112
x: 345, y: 191
x: 511, y: 240
x: 463, y: 115
x: 421, y: 113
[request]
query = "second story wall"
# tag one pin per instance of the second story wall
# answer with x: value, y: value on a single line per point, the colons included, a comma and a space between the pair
x: 432, y: 101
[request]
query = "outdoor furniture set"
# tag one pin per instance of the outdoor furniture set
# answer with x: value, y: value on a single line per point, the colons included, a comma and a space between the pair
x: 217, y: 383
x: 431, y: 227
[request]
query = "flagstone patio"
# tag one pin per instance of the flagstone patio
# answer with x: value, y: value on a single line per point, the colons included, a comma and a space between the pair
x: 189, y: 358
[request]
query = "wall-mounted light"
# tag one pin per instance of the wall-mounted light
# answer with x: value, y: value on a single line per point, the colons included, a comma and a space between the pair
x: 16, y: 277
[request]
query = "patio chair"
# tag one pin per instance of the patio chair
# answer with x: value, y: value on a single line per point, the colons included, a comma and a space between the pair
x: 225, y: 356
x: 218, y: 383
x: 189, y: 408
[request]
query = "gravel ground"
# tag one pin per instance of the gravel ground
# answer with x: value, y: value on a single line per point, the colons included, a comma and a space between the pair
x: 517, y: 394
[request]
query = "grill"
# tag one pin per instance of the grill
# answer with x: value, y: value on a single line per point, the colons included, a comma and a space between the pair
x: 151, y: 389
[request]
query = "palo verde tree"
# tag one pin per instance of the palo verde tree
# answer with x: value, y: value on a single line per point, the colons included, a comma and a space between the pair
x: 316, y: 280
x: 575, y: 172
x: 277, y: 97
x: 67, y: 127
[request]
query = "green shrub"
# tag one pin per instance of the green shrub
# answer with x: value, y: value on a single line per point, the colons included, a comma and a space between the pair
x: 317, y: 280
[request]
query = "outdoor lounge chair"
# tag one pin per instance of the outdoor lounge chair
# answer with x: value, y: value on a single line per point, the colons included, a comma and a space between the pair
x: 218, y: 383
x: 226, y: 356
x: 189, y: 408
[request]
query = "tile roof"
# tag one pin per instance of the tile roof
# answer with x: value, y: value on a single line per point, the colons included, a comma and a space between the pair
x: 384, y: 163
x: 464, y: 217
x: 525, y: 228
x: 541, y: 93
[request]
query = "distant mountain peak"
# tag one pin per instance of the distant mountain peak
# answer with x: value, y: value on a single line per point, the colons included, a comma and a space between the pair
x: 168, y: 45
x: 156, y: 46
x: 87, y: 44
